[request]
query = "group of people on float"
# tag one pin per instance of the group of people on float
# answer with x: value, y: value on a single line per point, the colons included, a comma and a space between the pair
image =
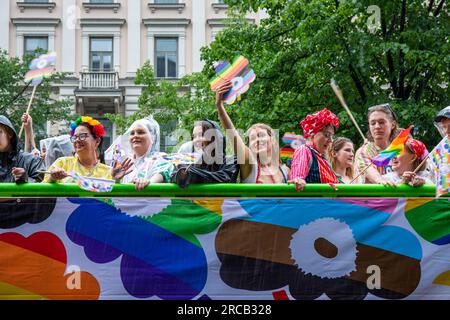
x: 321, y: 160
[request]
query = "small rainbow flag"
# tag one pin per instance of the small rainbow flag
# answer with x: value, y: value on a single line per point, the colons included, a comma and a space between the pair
x: 93, y: 184
x: 41, y: 68
x: 239, y: 73
x: 287, y: 152
x: 396, y: 148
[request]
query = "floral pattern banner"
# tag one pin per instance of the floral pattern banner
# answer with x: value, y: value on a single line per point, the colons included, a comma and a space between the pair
x: 197, y: 249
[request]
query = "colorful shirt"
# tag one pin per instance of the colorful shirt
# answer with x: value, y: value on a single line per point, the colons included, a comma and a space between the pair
x: 71, y: 164
x: 147, y: 166
x: 310, y: 165
x: 364, y: 156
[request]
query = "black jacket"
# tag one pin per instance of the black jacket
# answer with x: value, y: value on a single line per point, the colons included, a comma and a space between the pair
x: 224, y: 172
x: 19, y: 159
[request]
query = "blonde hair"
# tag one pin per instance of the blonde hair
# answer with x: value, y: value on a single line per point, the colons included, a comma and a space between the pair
x: 337, y: 145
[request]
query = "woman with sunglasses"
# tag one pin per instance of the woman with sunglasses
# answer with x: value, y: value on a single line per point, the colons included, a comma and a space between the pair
x: 309, y: 164
x: 86, y: 135
x: 382, y: 130
x: 403, y: 166
x: 213, y: 166
x: 259, y: 162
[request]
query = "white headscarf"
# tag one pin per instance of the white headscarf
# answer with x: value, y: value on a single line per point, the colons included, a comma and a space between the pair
x: 123, y: 141
x: 57, y: 147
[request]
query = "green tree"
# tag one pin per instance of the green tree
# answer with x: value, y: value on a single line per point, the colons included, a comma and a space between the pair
x: 400, y: 55
x: 14, y: 99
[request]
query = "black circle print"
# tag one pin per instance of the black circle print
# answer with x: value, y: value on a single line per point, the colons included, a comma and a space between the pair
x: 16, y: 212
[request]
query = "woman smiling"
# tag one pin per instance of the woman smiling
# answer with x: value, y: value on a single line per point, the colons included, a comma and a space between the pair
x: 86, y: 135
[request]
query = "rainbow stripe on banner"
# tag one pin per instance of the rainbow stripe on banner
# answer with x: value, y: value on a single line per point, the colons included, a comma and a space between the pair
x: 239, y: 73
x: 441, y: 161
x: 396, y: 148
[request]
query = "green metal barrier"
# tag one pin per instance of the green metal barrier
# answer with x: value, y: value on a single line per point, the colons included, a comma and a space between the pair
x: 8, y: 190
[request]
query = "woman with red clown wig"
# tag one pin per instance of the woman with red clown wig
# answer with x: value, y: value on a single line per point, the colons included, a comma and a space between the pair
x: 86, y: 134
x: 309, y: 164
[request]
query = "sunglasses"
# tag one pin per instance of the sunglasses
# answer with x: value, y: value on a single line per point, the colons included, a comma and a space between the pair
x: 385, y: 106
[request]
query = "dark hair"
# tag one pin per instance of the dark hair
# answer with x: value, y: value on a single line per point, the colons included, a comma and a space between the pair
x: 206, y: 125
x: 385, y: 108
x: 100, y: 153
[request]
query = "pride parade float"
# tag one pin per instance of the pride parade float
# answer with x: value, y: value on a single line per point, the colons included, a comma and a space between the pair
x: 224, y: 242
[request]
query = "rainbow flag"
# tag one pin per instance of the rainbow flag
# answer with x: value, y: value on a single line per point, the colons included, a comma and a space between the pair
x: 240, y: 75
x: 396, y: 148
x: 440, y: 158
x: 287, y: 152
x: 41, y: 68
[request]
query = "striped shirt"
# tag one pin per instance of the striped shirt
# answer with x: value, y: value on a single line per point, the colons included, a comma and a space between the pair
x: 364, y: 156
x: 311, y: 168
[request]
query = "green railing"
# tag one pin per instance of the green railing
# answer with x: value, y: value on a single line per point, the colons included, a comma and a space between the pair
x: 10, y: 190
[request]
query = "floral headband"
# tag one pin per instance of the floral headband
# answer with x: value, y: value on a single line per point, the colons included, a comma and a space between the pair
x: 97, y: 128
x: 317, y: 121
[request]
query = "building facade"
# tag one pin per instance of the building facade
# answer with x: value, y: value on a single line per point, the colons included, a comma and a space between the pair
x: 102, y: 43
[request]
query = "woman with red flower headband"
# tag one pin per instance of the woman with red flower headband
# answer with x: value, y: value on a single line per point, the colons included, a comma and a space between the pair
x: 86, y: 134
x: 309, y: 164
x: 403, y: 166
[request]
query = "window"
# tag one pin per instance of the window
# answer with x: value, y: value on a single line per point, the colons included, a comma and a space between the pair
x: 221, y: 1
x: 35, y: 43
x: 101, y: 54
x: 36, y: 1
x: 166, y: 57
x: 166, y: 1
x: 101, y: 1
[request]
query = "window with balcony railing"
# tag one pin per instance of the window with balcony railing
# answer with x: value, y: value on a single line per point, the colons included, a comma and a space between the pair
x: 166, y: 57
x: 101, y: 54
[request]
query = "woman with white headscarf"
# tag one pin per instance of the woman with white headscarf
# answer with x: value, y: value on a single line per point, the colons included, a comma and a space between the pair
x: 144, y: 164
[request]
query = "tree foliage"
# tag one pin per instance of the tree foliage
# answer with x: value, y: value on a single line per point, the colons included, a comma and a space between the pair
x: 14, y: 102
x: 394, y: 51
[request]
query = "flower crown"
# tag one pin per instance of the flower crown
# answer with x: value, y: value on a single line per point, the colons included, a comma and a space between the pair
x: 317, y: 121
x: 97, y: 128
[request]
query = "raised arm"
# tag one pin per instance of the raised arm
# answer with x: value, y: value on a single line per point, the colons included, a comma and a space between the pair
x: 241, y: 151
x: 29, y: 134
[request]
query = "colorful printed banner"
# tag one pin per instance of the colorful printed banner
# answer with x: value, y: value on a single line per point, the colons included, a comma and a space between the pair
x: 240, y: 75
x: 297, y: 248
x: 440, y: 157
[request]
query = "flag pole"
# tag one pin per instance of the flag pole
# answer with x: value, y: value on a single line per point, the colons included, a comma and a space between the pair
x: 338, y: 93
x: 28, y: 109
x: 359, y: 174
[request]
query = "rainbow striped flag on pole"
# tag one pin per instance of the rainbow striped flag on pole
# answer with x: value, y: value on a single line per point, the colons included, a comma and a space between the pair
x: 396, y: 148
x: 440, y: 158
